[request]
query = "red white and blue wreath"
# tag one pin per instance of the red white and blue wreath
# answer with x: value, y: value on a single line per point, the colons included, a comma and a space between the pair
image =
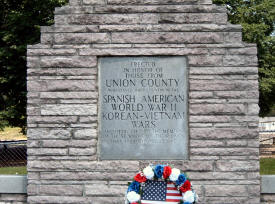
x: 161, y: 173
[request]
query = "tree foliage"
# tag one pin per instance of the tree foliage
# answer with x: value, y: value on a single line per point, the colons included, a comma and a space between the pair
x: 20, y: 22
x: 258, y: 20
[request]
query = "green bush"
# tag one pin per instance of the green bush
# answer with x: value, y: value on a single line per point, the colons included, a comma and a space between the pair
x: 258, y: 20
x: 20, y: 22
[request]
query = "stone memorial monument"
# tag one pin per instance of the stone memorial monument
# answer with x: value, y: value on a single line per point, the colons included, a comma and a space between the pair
x: 116, y: 85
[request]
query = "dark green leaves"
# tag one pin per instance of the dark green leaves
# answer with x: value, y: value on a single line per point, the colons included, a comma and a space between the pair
x: 258, y: 19
x: 20, y: 22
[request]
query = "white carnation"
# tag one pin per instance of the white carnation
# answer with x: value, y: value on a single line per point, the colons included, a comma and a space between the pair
x: 175, y: 174
x: 148, y: 172
x: 132, y: 197
x: 189, y: 197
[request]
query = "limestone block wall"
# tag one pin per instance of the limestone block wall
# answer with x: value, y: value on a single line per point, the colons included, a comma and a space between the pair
x: 63, y: 165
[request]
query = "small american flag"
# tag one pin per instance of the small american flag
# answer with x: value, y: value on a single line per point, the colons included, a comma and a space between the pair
x: 158, y: 192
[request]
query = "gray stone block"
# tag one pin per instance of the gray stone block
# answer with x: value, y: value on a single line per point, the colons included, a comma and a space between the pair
x: 207, y: 143
x: 205, y: 60
x: 235, y: 165
x: 94, y: 2
x: 82, y: 151
x: 152, y: 2
x: 160, y: 9
x: 98, y: 19
x: 40, y: 133
x: 52, y: 119
x: 212, y: 109
x: 233, y: 37
x: 223, y: 85
x: 57, y: 190
x: 85, y: 133
x: 87, y: 176
x: 106, y: 200
x: 225, y: 151
x: 124, y: 166
x: 243, y: 51
x: 189, y: 18
x: 51, y: 52
x: 70, y: 62
x: 226, y: 190
x: 161, y: 37
x: 217, y: 175
x: 33, y: 62
x: 46, y: 38
x: 75, y: 2
x: 240, y: 60
x: 68, y: 109
x: 57, y: 199
x: 220, y: 133
x: 224, y: 70
x: 61, y: 85
x: 77, y: 38
x: 58, y: 72
x: 171, y: 28
x: 197, y: 166
x: 47, y: 151
x: 200, y: 94
x: 100, y: 190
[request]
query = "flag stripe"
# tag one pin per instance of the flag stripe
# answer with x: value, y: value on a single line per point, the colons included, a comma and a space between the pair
x: 170, y: 188
x: 159, y: 202
x: 173, y: 194
x: 173, y: 197
x: 172, y: 200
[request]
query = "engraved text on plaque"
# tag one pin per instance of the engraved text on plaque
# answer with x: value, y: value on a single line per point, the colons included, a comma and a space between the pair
x: 143, y: 108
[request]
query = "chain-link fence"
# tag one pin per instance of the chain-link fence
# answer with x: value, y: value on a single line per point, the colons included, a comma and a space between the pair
x: 13, y: 153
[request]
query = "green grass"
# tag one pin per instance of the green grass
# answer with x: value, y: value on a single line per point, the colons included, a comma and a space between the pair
x: 21, y: 170
x: 267, y: 166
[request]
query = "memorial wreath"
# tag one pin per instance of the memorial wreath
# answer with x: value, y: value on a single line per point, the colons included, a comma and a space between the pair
x: 160, y: 184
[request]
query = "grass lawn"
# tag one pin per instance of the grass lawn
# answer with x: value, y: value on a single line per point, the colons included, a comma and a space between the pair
x: 21, y: 170
x: 267, y: 166
x: 12, y: 133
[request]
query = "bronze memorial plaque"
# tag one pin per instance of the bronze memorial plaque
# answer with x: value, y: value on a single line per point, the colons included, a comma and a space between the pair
x: 143, y: 108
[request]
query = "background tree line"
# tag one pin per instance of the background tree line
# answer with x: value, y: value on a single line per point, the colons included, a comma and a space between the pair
x: 20, y: 22
x: 257, y: 18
